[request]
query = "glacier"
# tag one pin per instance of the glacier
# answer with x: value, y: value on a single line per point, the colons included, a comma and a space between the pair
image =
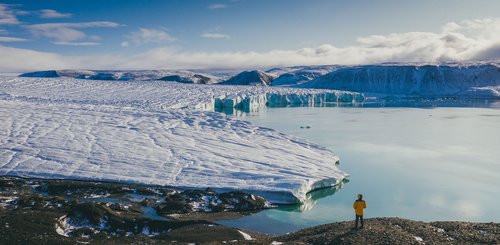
x: 472, y: 81
x: 160, y: 133
x: 152, y: 95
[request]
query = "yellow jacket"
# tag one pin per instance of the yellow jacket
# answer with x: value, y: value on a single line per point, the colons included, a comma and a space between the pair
x: 359, y: 206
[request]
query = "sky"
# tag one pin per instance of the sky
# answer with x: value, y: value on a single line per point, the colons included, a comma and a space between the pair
x: 242, y: 34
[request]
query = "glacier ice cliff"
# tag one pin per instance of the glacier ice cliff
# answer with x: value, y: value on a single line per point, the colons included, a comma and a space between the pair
x: 293, y: 97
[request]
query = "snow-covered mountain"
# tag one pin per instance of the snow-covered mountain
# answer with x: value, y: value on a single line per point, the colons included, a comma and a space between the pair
x: 255, y: 77
x: 278, y: 71
x: 292, y: 76
x: 474, y: 80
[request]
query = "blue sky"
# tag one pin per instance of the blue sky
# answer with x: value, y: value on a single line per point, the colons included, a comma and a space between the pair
x: 242, y: 33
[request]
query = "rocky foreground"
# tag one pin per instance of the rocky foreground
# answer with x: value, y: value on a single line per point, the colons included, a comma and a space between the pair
x: 74, y: 212
x: 397, y: 231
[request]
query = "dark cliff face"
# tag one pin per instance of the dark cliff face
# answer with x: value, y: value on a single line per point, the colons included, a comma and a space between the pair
x: 196, y: 78
x: 258, y: 78
x: 203, y: 79
x: 427, y: 80
x: 174, y: 78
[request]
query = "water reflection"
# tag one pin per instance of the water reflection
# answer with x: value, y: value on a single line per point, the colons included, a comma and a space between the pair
x: 285, y: 218
x: 375, y: 103
x: 416, y: 163
x: 312, y: 198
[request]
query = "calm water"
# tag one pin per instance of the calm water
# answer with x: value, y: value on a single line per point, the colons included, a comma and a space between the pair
x: 421, y: 164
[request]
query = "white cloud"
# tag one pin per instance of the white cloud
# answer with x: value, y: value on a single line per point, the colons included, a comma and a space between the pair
x: 23, y: 12
x: 473, y: 39
x: 468, y: 208
x: 217, y: 6
x: 94, y: 38
x: 28, y: 60
x: 456, y: 41
x: 215, y: 35
x: 7, y: 16
x: 3, y: 32
x: 462, y: 206
x: 53, y: 14
x: 77, y: 43
x: 12, y: 39
x: 146, y: 35
x: 125, y: 44
x: 66, y: 32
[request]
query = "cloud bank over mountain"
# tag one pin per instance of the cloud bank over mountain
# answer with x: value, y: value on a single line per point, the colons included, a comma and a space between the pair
x: 465, y: 40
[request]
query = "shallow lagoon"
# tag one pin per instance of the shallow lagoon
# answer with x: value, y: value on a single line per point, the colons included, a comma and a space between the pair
x: 419, y: 163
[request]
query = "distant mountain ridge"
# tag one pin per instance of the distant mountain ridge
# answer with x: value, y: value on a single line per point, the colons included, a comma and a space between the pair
x: 183, y: 76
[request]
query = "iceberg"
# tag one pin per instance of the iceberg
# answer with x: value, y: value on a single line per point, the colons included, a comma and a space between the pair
x: 160, y: 133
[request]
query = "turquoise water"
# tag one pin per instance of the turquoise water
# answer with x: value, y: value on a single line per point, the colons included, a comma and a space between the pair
x: 419, y: 163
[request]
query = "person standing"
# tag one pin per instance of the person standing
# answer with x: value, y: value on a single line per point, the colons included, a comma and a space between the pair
x: 359, y: 207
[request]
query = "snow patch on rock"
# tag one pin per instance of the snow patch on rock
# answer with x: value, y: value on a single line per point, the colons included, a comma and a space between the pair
x: 245, y: 235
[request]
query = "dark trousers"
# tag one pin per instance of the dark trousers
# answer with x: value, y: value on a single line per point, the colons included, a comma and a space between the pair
x: 359, y: 217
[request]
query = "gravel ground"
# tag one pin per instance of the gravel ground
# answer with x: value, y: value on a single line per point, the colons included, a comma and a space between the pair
x: 397, y: 231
